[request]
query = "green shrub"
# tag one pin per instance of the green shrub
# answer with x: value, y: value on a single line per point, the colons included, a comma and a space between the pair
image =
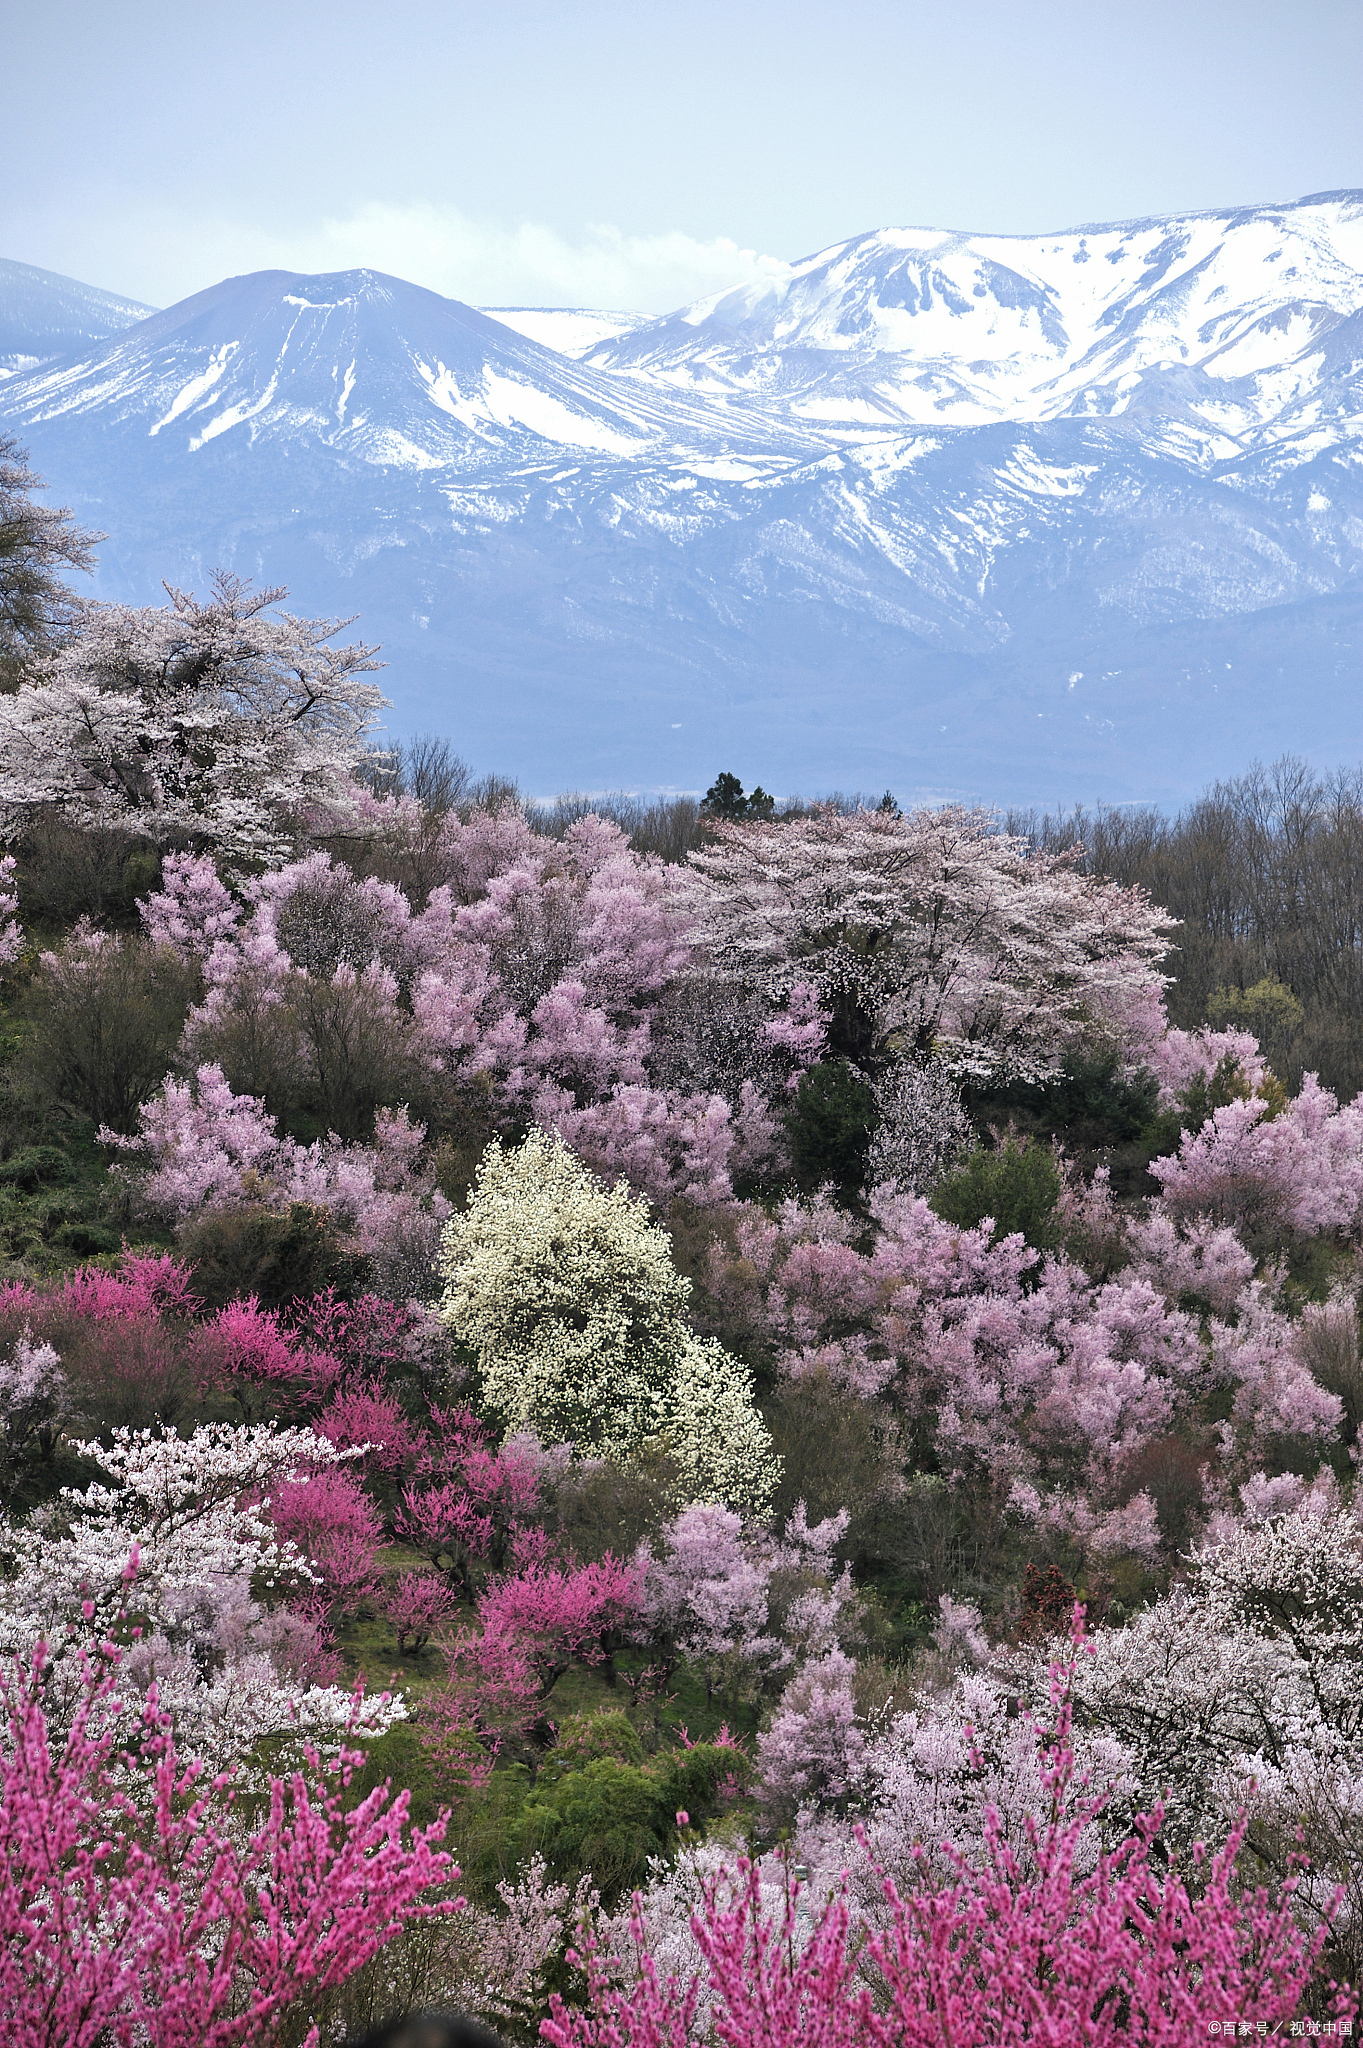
x: 277, y: 1257
x: 106, y: 1015
x: 66, y: 873
x: 1017, y: 1186
x: 582, y: 1738
x: 1091, y: 1103
x: 830, y: 1126
x: 611, y: 1817
x: 36, y: 1166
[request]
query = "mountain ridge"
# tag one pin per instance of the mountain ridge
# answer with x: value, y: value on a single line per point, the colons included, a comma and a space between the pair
x: 699, y: 539
x: 43, y: 314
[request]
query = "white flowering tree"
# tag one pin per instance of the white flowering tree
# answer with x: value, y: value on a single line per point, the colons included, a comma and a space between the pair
x: 169, y: 1552
x: 922, y: 1126
x: 1244, y: 1688
x: 928, y: 932
x: 567, y: 1294
x: 212, y: 722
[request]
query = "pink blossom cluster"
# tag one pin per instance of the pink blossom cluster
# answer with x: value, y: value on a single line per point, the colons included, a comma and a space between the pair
x: 535, y: 969
x: 137, y: 1905
x: 332, y: 1522
x: 267, y: 1367
x: 206, y: 1148
x: 1178, y: 1059
x: 531, y: 1624
x: 1300, y: 1170
x: 744, y: 1603
x: 192, y: 910
x: 468, y: 1501
x: 1025, y: 1369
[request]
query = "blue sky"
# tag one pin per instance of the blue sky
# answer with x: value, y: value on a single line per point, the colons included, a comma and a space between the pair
x: 638, y: 155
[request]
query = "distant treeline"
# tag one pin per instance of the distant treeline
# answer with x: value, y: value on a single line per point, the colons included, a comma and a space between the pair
x: 1266, y: 872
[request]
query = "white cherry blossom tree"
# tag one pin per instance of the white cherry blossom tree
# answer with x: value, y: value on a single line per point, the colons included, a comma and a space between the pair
x: 208, y: 722
x: 930, y: 932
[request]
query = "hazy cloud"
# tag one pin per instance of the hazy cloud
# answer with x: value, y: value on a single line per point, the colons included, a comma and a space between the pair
x: 164, y: 255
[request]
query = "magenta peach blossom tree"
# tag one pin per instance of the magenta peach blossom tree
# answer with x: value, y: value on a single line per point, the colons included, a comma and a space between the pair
x: 137, y: 1904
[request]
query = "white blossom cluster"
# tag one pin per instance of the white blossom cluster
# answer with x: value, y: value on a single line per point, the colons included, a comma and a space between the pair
x: 166, y: 1556
x: 35, y: 1395
x: 933, y: 930
x: 1244, y: 1688
x: 567, y: 1294
x: 922, y: 1126
x: 216, y: 721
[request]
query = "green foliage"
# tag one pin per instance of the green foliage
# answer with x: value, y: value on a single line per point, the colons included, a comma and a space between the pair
x: 105, y: 1019
x: 835, y: 1454
x: 582, y: 1738
x: 609, y: 1816
x: 725, y: 799
x: 1018, y: 1186
x: 1268, y: 1008
x: 830, y: 1126
x: 1091, y: 1103
x: 56, y: 1202
x: 34, y: 1167
x: 279, y: 1257
x: 65, y: 873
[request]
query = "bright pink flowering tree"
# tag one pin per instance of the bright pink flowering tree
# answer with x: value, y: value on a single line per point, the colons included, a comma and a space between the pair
x: 336, y: 1527
x: 365, y: 1413
x: 532, y: 1625
x: 135, y: 1907
x: 1030, y: 1947
x: 268, y: 1368
x: 417, y: 1604
x: 467, y: 1501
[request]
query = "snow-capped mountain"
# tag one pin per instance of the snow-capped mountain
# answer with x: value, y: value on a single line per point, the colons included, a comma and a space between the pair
x: 1222, y: 320
x: 43, y: 315
x: 1040, y: 518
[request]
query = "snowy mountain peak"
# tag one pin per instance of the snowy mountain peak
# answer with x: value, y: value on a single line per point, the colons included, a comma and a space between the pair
x: 936, y: 328
x: 389, y: 372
